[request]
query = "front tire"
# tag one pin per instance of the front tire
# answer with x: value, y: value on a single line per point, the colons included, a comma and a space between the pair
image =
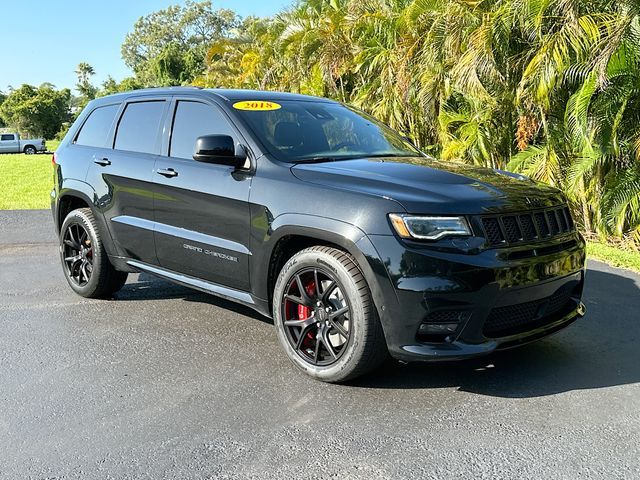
x: 85, y: 263
x: 325, y: 318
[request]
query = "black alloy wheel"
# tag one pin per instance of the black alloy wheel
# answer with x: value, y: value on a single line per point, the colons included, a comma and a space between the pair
x: 85, y: 262
x: 316, y: 316
x: 324, y: 316
x: 78, y: 254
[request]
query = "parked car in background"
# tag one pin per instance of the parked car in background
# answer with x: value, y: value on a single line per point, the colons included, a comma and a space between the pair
x: 12, y: 143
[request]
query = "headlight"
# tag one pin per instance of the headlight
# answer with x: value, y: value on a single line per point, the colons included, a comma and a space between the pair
x: 428, y: 227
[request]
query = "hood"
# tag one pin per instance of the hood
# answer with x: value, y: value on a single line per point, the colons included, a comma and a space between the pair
x: 425, y: 185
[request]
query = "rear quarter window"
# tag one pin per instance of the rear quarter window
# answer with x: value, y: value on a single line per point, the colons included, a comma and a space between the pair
x: 95, y: 130
x: 139, y: 127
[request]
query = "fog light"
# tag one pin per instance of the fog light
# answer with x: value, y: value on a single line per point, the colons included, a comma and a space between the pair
x: 438, y: 328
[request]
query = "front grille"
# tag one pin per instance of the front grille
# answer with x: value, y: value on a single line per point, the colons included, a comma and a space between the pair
x: 514, y: 319
x: 541, y: 224
x: 511, y: 229
x: 553, y: 223
x: 564, y: 227
x: 528, y: 228
x: 493, y: 230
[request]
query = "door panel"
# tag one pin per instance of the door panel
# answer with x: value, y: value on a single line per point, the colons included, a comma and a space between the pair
x: 123, y: 177
x: 202, y: 222
x: 126, y: 199
x: 202, y: 213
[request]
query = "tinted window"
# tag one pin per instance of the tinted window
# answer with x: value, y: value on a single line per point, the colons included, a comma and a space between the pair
x: 192, y: 120
x: 139, y: 127
x: 95, y: 130
x: 299, y: 131
x: 7, y: 137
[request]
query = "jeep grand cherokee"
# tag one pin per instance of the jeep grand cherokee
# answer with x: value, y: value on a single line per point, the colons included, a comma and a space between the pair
x: 354, y: 242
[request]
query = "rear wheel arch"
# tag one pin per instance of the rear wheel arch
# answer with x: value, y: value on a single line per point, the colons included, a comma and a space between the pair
x: 73, y: 197
x: 69, y: 203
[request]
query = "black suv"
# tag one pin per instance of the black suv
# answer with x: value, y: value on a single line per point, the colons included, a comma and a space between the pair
x: 317, y: 215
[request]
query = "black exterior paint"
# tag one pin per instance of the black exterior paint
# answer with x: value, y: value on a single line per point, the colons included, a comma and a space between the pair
x: 216, y: 228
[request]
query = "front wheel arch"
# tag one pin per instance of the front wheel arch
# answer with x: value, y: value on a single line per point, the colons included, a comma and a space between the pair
x: 325, y: 232
x: 292, y: 233
x: 285, y: 248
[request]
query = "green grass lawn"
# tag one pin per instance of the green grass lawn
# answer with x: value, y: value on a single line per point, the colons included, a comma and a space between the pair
x: 614, y: 256
x: 26, y: 180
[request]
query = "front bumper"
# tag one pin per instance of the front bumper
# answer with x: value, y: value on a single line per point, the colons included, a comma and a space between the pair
x: 502, y: 300
x: 457, y: 349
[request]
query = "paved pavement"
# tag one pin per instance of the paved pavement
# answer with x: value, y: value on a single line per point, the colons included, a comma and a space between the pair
x: 164, y: 382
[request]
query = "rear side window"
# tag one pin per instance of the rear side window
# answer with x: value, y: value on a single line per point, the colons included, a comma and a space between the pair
x: 139, y: 127
x: 193, y: 120
x: 95, y: 130
x: 4, y: 138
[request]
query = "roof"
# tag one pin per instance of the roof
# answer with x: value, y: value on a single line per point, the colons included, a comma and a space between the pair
x: 226, y: 94
x: 239, y: 95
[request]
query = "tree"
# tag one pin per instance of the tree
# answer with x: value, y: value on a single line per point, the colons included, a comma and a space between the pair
x: 3, y: 97
x: 168, y: 47
x: 84, y: 71
x: 110, y: 86
x: 36, y: 111
x: 547, y: 88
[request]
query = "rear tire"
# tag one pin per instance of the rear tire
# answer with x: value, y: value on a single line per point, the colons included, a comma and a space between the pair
x: 85, y: 263
x: 329, y: 328
x: 30, y: 150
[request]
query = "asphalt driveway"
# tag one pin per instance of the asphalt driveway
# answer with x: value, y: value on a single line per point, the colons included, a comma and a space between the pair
x: 167, y: 382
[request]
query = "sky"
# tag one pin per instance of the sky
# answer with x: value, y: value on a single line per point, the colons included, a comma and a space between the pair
x: 48, y: 39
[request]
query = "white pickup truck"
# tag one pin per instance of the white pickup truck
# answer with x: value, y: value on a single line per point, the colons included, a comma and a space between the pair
x: 12, y: 143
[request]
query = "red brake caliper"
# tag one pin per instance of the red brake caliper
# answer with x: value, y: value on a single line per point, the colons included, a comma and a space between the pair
x: 305, y: 312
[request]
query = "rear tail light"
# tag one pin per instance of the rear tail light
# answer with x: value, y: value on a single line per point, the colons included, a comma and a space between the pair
x: 54, y: 160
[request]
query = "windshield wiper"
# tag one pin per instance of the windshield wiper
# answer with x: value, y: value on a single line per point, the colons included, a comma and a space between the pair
x: 393, y: 155
x: 336, y: 158
x: 326, y: 158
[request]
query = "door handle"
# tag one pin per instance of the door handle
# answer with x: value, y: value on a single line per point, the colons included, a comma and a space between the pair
x: 103, y: 162
x: 168, y: 172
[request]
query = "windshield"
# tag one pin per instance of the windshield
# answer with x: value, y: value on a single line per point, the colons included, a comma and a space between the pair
x: 300, y: 131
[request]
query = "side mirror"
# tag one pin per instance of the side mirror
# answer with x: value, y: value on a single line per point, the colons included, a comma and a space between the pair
x: 219, y: 149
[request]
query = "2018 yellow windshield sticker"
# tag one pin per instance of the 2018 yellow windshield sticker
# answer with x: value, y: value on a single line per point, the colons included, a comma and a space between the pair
x: 256, y: 105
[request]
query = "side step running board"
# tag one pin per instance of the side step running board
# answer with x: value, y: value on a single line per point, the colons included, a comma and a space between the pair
x: 202, y: 285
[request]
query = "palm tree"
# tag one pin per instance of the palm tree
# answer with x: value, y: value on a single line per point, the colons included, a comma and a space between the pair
x: 548, y: 88
x: 84, y: 71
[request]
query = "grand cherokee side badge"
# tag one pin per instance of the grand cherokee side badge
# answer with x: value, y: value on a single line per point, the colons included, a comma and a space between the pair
x: 211, y: 253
